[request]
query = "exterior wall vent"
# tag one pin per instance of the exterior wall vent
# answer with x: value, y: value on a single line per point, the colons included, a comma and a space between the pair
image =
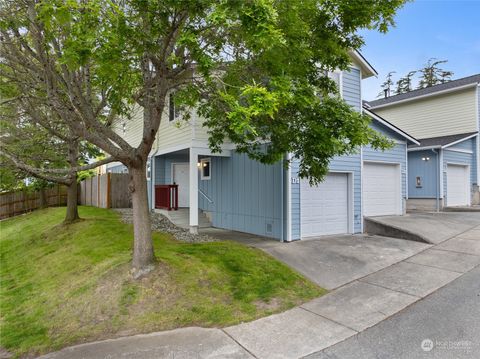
x: 269, y: 228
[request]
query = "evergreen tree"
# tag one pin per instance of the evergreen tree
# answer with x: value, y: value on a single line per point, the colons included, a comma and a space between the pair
x: 404, y: 84
x: 432, y: 74
x: 387, y: 85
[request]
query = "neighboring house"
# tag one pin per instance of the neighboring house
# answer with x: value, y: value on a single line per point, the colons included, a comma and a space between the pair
x: 237, y: 193
x: 444, y: 169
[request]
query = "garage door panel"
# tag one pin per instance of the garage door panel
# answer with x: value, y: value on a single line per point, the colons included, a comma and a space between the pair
x: 381, y: 189
x: 458, y: 185
x: 324, y: 208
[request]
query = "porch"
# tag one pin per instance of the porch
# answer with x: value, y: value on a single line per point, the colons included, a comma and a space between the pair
x: 196, y: 188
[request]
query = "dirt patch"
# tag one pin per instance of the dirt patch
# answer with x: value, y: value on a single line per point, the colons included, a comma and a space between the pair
x: 272, y: 305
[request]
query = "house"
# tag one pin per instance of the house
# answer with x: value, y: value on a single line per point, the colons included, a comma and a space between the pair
x: 235, y: 192
x: 444, y: 170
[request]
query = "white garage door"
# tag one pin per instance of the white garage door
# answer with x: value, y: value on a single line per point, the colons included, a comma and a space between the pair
x: 457, y: 185
x: 324, y: 208
x: 381, y: 189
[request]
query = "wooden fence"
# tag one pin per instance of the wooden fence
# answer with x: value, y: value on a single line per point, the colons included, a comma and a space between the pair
x: 109, y: 190
x: 18, y: 202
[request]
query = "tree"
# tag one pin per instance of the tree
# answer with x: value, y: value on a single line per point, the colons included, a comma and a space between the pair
x: 432, y: 74
x: 387, y: 85
x: 254, y: 69
x: 404, y: 84
x: 28, y: 149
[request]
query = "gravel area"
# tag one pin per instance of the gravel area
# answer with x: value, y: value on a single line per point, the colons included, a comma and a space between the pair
x: 162, y: 224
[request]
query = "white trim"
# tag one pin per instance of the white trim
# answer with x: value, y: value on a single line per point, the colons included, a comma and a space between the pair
x: 406, y: 177
x: 289, y: 199
x: 350, y: 198
x: 152, y: 182
x: 193, y: 190
x: 393, y: 128
x: 361, y: 190
x: 202, y: 161
x: 424, y: 148
x: 478, y: 159
x: 424, y: 96
x: 356, y: 56
x: 460, y: 140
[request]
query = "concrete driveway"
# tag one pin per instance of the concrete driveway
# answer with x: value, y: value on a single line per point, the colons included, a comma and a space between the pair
x: 332, y: 261
x: 433, y: 227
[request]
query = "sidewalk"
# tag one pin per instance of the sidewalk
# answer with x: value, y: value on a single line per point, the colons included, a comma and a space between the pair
x: 312, y: 326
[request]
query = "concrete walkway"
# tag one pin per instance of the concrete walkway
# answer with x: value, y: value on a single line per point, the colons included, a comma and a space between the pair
x: 315, y: 325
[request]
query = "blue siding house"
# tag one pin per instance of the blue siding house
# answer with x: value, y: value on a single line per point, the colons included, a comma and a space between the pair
x: 443, y: 172
x: 237, y: 193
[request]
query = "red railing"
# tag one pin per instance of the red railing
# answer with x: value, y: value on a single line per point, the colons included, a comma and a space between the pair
x: 166, y: 196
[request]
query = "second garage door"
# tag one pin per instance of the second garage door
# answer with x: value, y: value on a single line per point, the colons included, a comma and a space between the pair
x: 325, y: 208
x: 457, y: 185
x: 381, y: 189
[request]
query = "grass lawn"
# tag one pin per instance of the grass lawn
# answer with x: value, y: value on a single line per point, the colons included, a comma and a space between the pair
x: 62, y: 285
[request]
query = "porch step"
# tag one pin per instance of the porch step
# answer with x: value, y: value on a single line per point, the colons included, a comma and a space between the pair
x: 181, y: 217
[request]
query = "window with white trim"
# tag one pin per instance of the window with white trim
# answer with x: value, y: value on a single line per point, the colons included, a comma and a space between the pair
x: 205, y: 168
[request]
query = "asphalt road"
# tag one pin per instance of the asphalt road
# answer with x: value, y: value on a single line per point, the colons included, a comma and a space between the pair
x: 445, y: 324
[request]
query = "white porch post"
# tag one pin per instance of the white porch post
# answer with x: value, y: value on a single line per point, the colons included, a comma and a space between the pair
x: 193, y: 172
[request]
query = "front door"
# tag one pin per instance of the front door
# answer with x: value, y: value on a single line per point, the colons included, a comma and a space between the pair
x: 181, y: 176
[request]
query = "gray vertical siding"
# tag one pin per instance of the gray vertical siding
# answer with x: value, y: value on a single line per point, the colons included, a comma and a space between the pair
x: 351, y: 84
x: 247, y: 195
x: 427, y: 170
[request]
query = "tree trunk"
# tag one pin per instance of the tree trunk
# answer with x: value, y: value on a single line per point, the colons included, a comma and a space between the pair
x: 143, y: 256
x: 72, y: 203
x: 72, y: 191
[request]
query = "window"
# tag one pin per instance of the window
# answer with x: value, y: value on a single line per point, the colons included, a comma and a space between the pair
x: 174, y: 111
x: 205, y: 168
x: 149, y: 170
x: 336, y: 76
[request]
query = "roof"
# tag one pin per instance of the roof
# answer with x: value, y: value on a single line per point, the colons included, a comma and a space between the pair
x: 428, y: 91
x: 442, y: 141
x: 390, y: 126
x: 367, y: 69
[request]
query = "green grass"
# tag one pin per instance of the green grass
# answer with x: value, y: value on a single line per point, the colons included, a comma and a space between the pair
x: 62, y: 285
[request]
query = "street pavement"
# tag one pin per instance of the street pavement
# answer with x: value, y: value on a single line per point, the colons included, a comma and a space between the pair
x: 444, y: 325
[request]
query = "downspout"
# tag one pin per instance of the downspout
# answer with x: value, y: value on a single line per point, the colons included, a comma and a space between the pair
x: 437, y: 185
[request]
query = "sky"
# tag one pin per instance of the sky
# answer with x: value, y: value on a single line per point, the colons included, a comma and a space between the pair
x: 442, y: 29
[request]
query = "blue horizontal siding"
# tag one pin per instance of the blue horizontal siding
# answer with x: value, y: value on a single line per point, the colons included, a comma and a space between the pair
x: 351, y: 85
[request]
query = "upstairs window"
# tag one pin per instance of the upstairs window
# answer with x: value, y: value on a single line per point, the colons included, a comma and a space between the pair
x: 336, y: 76
x: 175, y: 111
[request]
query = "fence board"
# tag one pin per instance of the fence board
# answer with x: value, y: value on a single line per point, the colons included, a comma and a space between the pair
x: 109, y: 190
x: 19, y: 202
